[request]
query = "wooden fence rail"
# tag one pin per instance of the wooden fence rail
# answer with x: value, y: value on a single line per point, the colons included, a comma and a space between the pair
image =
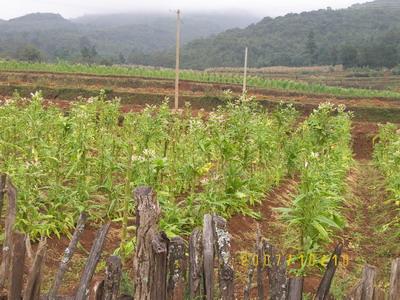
x: 200, y: 268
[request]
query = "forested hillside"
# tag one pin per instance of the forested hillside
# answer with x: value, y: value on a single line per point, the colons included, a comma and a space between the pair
x: 362, y: 35
x: 105, y: 38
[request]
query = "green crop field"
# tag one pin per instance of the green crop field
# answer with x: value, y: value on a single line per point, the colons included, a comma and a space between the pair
x: 198, y: 76
x: 90, y: 160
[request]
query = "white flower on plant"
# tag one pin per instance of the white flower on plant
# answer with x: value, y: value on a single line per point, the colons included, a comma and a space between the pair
x: 149, y: 153
x: 314, y: 154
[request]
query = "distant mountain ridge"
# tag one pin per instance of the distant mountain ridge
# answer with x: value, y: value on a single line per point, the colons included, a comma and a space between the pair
x: 363, y: 34
x: 366, y: 34
x: 114, y: 37
x: 38, y: 17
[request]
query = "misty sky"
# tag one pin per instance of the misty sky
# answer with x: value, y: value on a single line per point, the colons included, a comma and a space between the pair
x: 75, y: 8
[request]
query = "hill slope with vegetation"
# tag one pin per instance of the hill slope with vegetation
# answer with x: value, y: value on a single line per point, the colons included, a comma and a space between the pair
x: 105, y: 38
x: 362, y: 35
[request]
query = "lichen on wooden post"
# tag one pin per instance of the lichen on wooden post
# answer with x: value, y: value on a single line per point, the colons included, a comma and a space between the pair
x: 112, y: 279
x: 223, y: 246
x: 150, y: 263
x: 208, y: 254
x: 276, y: 270
x: 177, y: 264
x: 195, y: 264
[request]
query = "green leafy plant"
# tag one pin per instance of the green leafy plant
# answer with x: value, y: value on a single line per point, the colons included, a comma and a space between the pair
x: 322, y: 160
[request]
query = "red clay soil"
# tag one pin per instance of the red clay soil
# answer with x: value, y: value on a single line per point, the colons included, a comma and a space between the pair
x: 56, y: 249
x: 363, y: 134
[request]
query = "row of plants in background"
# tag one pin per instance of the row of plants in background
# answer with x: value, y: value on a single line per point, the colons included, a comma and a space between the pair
x: 92, y: 157
x: 200, y: 76
x: 387, y: 159
x: 320, y: 155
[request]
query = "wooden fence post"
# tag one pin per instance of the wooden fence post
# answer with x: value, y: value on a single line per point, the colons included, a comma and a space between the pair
x: 364, y: 290
x: 91, y: 263
x: 159, y: 255
x: 208, y: 253
x: 177, y: 264
x: 223, y: 246
x: 295, y: 291
x: 250, y: 274
x: 16, y: 282
x: 113, y: 278
x: 68, y: 253
x: 9, y: 227
x: 150, y: 264
x: 394, y: 290
x: 276, y: 269
x: 3, y: 178
x: 325, y: 284
x: 260, y: 264
x: 33, y: 285
x: 195, y: 264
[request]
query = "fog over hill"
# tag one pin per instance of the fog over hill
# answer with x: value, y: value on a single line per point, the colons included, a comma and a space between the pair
x: 111, y: 37
x: 365, y: 34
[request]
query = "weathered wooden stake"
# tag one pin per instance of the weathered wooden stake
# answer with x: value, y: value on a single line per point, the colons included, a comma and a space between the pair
x: 113, y: 278
x: 325, y: 284
x: 3, y: 178
x: 177, y: 264
x: 195, y: 264
x: 394, y: 290
x: 208, y: 253
x: 260, y: 264
x: 150, y: 264
x: 223, y: 246
x: 91, y: 263
x: 295, y: 288
x: 68, y: 253
x: 9, y: 226
x: 29, y: 252
x: 159, y: 255
x: 250, y: 274
x: 364, y: 290
x: 32, y: 289
x: 16, y: 282
x: 245, y: 71
x: 276, y: 269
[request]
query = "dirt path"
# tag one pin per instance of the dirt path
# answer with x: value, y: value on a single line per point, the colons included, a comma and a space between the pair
x: 368, y: 237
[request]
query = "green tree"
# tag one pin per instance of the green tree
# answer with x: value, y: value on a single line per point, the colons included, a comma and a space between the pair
x: 349, y: 56
x: 334, y: 56
x: 311, y: 47
x: 29, y: 53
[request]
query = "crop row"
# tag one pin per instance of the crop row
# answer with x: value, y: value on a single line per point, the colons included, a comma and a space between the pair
x: 321, y: 156
x: 199, y: 76
x: 91, y: 158
x: 387, y: 158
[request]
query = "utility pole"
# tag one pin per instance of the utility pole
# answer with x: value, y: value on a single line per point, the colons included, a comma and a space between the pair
x: 245, y: 72
x: 178, y: 37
